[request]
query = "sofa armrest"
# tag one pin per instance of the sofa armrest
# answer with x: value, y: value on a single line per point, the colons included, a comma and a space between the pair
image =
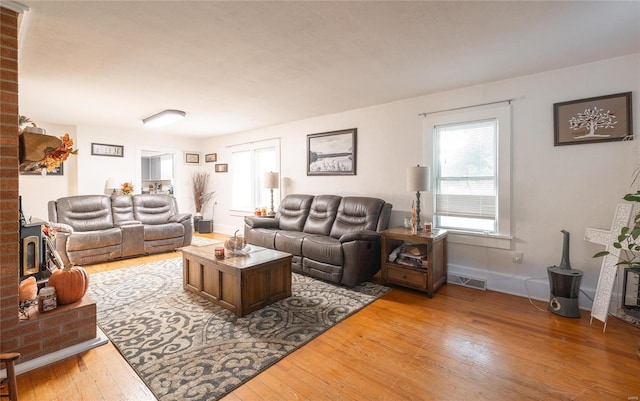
x: 261, y: 222
x: 180, y: 217
x: 60, y: 227
x: 361, y: 235
x: 61, y: 246
x: 186, y: 220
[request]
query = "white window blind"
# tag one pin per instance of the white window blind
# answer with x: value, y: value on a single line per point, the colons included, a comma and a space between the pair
x: 466, y: 175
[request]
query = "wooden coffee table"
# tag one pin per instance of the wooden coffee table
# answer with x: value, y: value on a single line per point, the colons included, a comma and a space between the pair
x: 241, y: 284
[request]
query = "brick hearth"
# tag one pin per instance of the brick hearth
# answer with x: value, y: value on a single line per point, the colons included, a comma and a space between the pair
x: 51, y: 331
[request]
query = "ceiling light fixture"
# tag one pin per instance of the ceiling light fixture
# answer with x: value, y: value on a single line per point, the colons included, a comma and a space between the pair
x: 163, y: 118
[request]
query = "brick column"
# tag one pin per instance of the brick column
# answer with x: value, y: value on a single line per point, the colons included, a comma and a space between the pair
x: 9, y: 225
x: 69, y: 324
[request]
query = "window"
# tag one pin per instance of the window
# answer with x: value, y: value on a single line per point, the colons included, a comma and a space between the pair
x: 472, y: 171
x: 248, y: 164
x: 466, y: 176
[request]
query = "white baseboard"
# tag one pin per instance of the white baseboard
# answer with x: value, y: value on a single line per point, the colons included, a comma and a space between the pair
x: 59, y: 355
x: 535, y: 288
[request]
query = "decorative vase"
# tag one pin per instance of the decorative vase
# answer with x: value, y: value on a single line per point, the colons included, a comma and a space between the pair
x: 196, y: 218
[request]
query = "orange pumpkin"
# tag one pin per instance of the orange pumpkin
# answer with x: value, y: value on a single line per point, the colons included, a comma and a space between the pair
x: 28, y: 289
x: 71, y: 284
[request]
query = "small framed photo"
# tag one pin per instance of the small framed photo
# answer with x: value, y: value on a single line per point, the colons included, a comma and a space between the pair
x: 332, y: 153
x: 57, y: 171
x: 596, y: 119
x: 191, y: 158
x: 222, y: 168
x: 103, y: 149
x: 210, y: 157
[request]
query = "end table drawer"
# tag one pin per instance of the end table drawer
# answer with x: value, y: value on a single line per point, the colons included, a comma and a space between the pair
x: 406, y: 277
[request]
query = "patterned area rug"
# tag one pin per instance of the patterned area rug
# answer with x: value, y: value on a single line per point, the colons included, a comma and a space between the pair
x: 202, y: 241
x: 186, y: 348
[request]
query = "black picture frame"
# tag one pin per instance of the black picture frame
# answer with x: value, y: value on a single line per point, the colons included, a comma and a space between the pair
x: 104, y: 149
x: 592, y: 120
x: 332, y: 153
x: 210, y: 157
x: 57, y: 171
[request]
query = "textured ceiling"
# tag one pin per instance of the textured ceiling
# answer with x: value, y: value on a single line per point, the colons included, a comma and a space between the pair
x: 234, y: 66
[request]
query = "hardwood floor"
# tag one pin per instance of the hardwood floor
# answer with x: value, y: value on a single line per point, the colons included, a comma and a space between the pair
x: 463, y: 344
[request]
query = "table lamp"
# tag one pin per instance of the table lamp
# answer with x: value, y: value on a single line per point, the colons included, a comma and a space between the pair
x: 112, y: 184
x: 418, y: 179
x: 271, y: 183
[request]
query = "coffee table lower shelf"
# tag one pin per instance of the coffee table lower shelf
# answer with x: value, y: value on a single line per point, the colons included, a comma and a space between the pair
x: 241, y: 284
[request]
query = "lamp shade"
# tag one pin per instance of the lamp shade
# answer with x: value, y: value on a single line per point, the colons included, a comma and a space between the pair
x: 271, y: 180
x: 112, y: 183
x: 163, y: 118
x: 418, y: 179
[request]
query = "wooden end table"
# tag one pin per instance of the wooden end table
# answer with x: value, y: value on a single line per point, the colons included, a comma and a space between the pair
x: 427, y: 278
x: 241, y: 284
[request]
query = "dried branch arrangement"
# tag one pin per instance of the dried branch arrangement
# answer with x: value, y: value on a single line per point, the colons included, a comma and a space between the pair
x: 200, y: 193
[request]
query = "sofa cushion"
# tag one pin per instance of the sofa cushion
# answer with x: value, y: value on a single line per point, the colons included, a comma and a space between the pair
x: 290, y: 241
x: 263, y: 237
x: 80, y: 241
x: 122, y: 209
x: 163, y: 231
x: 356, y: 213
x: 85, y: 212
x: 153, y: 208
x: 320, y: 247
x: 322, y: 214
x: 293, y: 212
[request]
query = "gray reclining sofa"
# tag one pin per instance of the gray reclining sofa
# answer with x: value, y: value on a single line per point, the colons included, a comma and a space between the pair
x: 100, y: 228
x: 333, y: 238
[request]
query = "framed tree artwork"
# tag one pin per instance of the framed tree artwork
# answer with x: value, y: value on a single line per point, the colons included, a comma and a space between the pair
x: 596, y: 119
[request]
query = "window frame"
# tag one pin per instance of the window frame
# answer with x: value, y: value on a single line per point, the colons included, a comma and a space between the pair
x: 502, y: 114
x: 256, y: 180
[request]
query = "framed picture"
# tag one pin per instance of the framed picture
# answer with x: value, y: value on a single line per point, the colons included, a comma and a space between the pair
x: 57, y: 171
x: 332, y: 153
x: 222, y: 168
x: 596, y: 119
x: 191, y: 158
x: 102, y: 149
x: 210, y: 157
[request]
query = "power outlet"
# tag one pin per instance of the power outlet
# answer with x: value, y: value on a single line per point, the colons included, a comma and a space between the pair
x: 517, y: 257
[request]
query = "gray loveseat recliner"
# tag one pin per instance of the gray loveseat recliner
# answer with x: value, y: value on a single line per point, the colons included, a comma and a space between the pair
x: 100, y: 228
x: 333, y: 238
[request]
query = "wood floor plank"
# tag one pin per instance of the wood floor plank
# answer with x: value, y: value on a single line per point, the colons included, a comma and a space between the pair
x: 462, y: 344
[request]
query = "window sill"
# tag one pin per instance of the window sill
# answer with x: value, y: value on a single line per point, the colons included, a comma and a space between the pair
x: 479, y: 239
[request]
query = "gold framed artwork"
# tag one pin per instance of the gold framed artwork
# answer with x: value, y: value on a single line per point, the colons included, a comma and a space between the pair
x: 191, y: 158
x: 222, y: 168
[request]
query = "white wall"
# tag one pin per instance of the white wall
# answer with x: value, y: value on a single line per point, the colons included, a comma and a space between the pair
x: 88, y: 174
x: 554, y: 188
x: 37, y: 190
